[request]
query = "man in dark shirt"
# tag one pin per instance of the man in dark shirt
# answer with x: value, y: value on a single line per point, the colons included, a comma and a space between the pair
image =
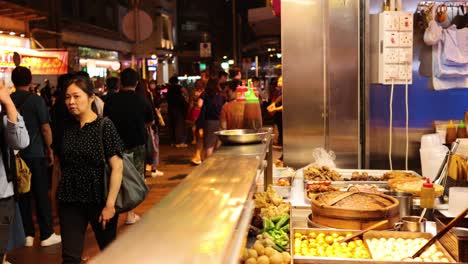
x: 36, y: 117
x: 130, y: 114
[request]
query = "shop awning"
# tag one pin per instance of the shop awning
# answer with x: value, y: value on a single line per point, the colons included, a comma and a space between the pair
x: 18, y: 12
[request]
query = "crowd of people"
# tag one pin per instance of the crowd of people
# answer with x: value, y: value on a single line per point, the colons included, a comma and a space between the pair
x: 67, y: 138
x: 213, y: 103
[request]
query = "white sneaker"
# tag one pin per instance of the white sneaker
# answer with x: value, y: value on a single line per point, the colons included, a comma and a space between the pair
x: 132, y: 218
x: 29, y: 241
x: 156, y: 173
x: 52, y: 240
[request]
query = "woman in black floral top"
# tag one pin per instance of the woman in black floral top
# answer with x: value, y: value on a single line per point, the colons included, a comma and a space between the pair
x: 80, y: 191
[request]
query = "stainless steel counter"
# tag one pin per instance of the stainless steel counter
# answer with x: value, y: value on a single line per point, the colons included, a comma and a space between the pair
x: 204, y: 219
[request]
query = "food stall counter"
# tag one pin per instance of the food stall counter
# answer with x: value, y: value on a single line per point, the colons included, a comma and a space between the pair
x: 205, y: 219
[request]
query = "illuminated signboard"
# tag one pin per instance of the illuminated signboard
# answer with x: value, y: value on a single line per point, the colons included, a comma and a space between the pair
x: 39, y: 62
x: 152, y: 62
x: 85, y: 52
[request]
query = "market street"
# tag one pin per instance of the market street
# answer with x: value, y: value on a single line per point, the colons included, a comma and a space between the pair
x: 175, y: 164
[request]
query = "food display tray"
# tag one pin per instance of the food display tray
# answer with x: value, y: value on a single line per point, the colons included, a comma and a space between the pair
x: 310, y: 259
x: 347, y: 174
x: 299, y: 198
x: 405, y: 235
x: 366, y: 236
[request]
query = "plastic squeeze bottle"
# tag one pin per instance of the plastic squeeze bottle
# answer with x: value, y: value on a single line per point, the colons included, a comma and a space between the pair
x: 427, y: 194
x: 451, y: 133
x: 461, y: 130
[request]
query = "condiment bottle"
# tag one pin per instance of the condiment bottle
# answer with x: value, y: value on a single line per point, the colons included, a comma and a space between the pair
x: 386, y: 5
x: 427, y: 194
x: 451, y: 133
x: 461, y: 130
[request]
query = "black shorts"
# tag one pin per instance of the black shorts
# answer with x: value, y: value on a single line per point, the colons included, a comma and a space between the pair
x: 7, y: 212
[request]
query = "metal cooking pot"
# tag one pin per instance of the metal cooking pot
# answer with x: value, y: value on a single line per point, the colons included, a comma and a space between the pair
x: 242, y: 136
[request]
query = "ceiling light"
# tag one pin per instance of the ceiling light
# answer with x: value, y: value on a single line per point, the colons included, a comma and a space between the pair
x: 224, y: 57
x: 153, y: 56
x: 22, y: 35
x: 12, y: 33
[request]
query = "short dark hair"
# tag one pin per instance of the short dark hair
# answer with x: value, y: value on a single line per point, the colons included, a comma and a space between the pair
x: 82, y: 73
x: 21, y: 76
x: 174, y: 80
x: 233, y: 84
x: 112, y: 83
x: 212, y: 87
x: 82, y: 82
x: 129, y: 77
x: 233, y: 72
x: 222, y: 74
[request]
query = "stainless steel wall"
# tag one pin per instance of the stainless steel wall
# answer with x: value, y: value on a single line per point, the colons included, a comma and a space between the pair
x: 320, y: 44
x: 343, y: 81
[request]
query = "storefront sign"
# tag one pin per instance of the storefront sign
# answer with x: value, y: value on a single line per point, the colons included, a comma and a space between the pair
x: 205, y: 49
x: 85, y: 52
x: 39, y: 62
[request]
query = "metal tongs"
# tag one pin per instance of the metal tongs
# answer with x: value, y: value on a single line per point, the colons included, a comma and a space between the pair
x: 441, y: 233
x: 441, y: 177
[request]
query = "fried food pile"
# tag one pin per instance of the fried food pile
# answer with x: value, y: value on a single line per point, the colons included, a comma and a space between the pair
x: 321, y: 173
x: 270, y: 203
x: 408, y: 182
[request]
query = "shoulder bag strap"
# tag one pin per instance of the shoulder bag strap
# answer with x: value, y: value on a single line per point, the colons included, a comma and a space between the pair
x: 103, y: 157
x: 101, y: 138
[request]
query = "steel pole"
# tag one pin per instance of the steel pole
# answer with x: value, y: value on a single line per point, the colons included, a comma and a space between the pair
x: 234, y: 32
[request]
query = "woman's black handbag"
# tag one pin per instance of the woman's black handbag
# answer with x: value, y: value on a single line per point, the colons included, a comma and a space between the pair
x: 133, y: 189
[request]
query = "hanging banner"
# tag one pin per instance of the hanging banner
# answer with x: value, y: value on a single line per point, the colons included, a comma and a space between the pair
x: 205, y: 49
x: 39, y: 62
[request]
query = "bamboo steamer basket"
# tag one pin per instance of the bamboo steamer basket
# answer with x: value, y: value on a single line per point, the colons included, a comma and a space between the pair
x: 354, y: 218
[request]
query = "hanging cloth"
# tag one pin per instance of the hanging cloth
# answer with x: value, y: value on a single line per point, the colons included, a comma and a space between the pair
x: 455, y: 50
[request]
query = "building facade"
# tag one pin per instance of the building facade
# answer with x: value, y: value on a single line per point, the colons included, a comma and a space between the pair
x: 92, y: 32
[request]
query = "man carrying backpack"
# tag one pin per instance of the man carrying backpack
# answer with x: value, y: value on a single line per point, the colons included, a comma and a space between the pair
x: 13, y: 135
x: 37, y: 119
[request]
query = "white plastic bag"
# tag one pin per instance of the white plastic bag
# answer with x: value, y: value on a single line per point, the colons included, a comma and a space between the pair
x: 432, y: 34
x: 323, y: 158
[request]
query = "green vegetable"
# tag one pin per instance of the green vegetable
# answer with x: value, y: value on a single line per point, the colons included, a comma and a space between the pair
x: 276, y: 219
x: 278, y: 248
x: 284, y: 235
x: 285, y: 228
x: 284, y: 219
x: 268, y: 224
x: 282, y: 243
